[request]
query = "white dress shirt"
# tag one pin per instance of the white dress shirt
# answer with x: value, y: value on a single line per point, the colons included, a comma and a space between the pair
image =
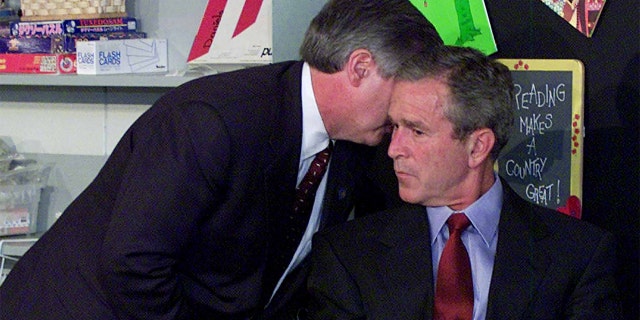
x: 314, y: 139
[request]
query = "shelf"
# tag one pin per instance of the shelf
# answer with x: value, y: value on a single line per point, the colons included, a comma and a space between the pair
x: 146, y: 80
x: 16, y: 247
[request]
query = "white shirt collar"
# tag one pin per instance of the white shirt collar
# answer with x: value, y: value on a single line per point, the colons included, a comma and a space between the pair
x: 314, y: 135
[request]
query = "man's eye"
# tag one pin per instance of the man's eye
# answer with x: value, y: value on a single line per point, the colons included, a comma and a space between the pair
x: 418, y: 132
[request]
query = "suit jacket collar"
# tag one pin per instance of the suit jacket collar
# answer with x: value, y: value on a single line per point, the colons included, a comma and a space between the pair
x: 408, y: 260
x: 521, y: 260
x: 521, y: 255
x: 283, y: 152
x: 283, y: 156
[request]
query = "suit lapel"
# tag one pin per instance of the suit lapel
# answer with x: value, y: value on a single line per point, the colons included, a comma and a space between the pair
x: 406, y: 266
x: 280, y: 179
x: 340, y: 184
x: 521, y: 260
x: 281, y: 158
x: 283, y: 152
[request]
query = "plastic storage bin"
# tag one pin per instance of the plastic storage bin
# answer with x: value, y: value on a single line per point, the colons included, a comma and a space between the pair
x: 19, y: 209
x: 20, y: 190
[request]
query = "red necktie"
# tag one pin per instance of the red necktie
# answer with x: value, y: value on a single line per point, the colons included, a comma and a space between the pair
x: 306, y: 190
x: 454, y: 286
x: 285, y: 244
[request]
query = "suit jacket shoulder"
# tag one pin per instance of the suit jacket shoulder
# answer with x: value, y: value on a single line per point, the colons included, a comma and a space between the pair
x: 549, y: 265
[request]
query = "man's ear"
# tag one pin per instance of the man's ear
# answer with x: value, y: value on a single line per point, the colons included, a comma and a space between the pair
x: 480, y: 144
x: 359, y: 66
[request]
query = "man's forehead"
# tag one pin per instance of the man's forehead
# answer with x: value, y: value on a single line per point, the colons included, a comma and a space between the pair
x: 419, y: 95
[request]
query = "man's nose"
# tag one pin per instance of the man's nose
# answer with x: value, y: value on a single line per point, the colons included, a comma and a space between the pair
x: 395, y: 145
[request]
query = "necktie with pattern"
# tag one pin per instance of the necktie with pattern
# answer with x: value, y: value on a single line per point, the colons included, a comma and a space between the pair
x: 296, y: 223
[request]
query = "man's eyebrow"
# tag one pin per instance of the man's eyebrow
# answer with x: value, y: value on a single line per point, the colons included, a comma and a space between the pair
x: 411, y: 123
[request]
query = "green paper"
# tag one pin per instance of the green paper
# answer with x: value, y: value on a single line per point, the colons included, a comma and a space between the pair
x: 460, y: 22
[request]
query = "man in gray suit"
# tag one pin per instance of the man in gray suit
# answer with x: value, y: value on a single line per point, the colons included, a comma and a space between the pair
x: 451, y: 115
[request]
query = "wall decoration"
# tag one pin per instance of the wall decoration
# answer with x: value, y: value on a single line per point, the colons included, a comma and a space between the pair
x: 581, y: 14
x: 542, y: 161
x: 460, y: 22
x: 233, y: 35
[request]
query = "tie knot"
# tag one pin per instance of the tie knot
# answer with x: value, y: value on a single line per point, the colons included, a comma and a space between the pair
x: 324, y: 155
x: 458, y: 222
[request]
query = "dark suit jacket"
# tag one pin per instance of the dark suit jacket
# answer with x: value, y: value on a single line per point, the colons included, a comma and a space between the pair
x: 547, y: 266
x: 178, y: 223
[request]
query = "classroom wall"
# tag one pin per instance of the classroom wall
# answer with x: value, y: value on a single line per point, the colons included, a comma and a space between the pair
x: 611, y: 57
x: 72, y: 129
x: 76, y: 128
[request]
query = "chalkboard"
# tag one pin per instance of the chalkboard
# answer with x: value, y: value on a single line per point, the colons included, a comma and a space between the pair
x: 543, y: 159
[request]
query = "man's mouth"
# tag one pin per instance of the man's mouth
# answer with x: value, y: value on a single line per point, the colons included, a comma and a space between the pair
x: 400, y: 172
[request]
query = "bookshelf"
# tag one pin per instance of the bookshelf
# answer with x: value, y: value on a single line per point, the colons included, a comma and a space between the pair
x: 151, y: 81
x: 74, y: 121
x: 172, y: 20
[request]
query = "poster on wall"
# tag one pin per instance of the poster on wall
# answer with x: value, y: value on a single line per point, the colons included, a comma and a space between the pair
x: 462, y: 23
x: 581, y: 14
x: 542, y: 161
x: 233, y: 35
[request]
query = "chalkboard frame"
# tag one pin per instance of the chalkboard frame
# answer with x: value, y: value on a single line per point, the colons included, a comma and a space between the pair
x: 572, y: 205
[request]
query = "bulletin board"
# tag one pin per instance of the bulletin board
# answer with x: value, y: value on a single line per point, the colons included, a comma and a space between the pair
x: 542, y: 161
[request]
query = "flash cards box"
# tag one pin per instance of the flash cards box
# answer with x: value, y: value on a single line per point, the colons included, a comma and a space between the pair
x: 122, y: 56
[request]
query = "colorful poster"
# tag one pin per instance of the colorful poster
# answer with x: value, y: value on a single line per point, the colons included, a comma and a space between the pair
x: 581, y: 14
x: 460, y: 22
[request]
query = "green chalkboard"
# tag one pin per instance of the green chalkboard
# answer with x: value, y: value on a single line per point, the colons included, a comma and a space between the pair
x: 543, y: 159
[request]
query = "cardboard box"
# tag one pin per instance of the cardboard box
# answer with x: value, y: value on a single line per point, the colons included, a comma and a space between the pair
x: 122, y: 56
x: 5, y: 29
x: 39, y: 63
x: 36, y: 44
x: 234, y: 33
x: 39, y: 28
x: 121, y: 24
x: 59, y: 43
x: 68, y: 41
x: 73, y: 26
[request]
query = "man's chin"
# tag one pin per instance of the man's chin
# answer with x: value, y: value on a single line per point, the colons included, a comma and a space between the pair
x: 408, y: 196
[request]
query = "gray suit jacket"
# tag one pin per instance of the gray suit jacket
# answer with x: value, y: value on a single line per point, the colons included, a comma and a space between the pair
x: 547, y: 266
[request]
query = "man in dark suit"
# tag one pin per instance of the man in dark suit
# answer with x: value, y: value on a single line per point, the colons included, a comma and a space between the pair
x: 451, y: 116
x: 185, y: 219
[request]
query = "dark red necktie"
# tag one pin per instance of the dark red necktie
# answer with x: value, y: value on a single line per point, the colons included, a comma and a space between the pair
x: 454, y: 286
x: 285, y: 244
x: 306, y: 190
